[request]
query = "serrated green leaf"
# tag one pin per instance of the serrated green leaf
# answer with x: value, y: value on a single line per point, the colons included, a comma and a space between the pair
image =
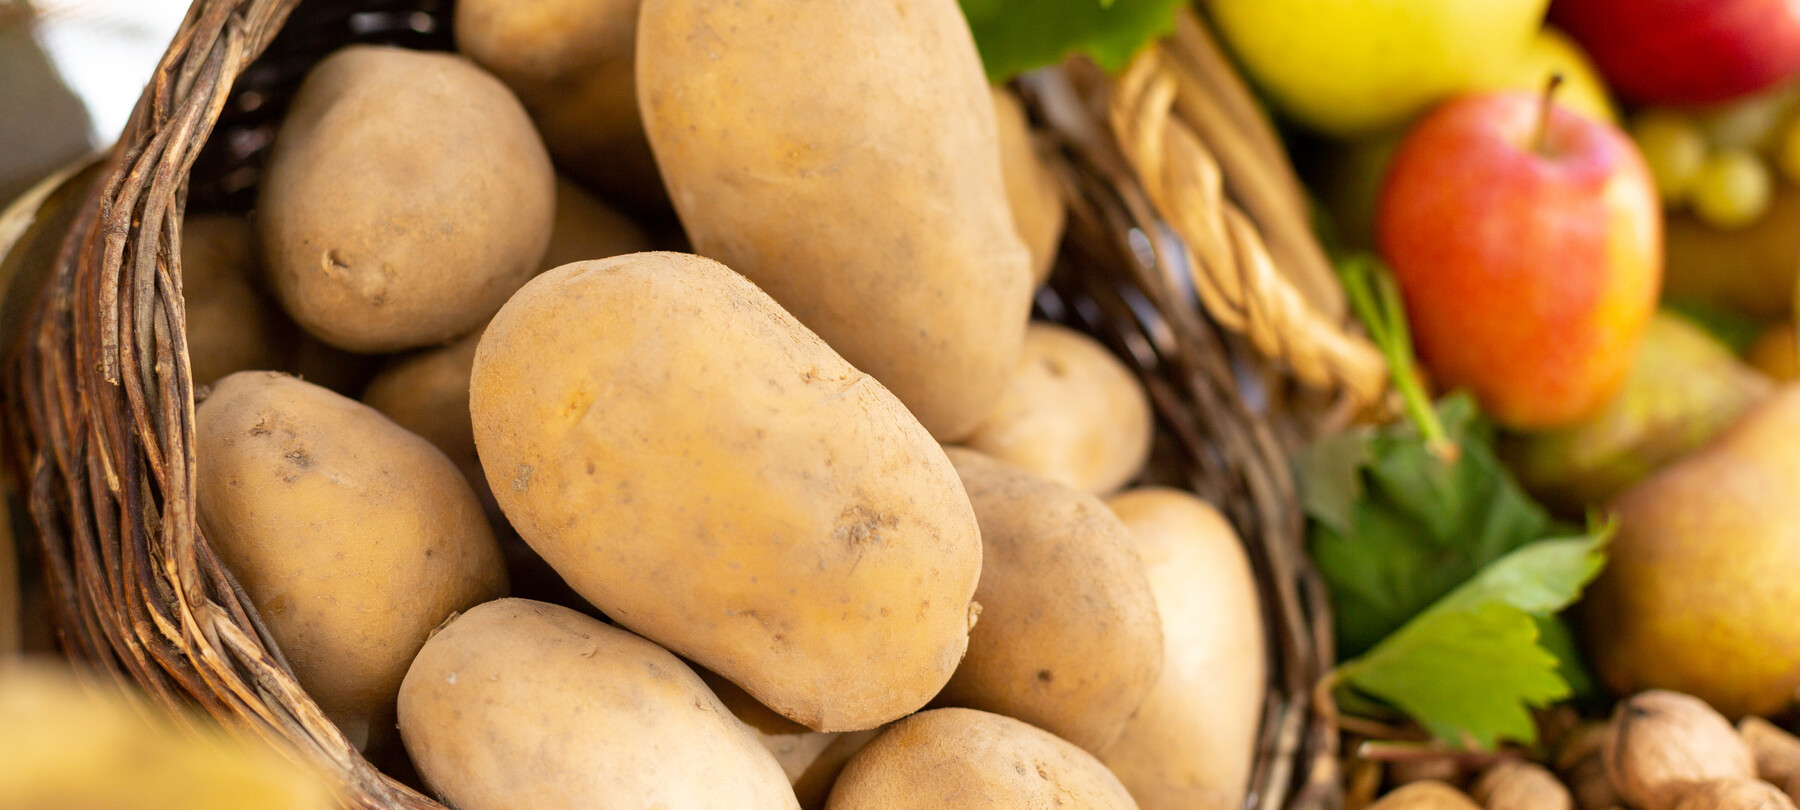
x: 1018, y: 35
x: 1471, y: 667
x: 1556, y: 638
x: 1463, y: 674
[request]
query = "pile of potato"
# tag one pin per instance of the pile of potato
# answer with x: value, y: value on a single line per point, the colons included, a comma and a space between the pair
x: 800, y: 510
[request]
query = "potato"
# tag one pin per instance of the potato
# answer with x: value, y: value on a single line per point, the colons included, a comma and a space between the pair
x: 854, y: 179
x: 962, y: 759
x: 811, y: 759
x: 1073, y: 413
x: 72, y: 742
x: 352, y: 537
x: 1069, y: 639
x: 1189, y: 747
x: 572, y: 64
x: 520, y: 704
x: 1032, y: 190
x: 405, y: 198
x: 231, y: 326
x: 714, y: 477
x: 586, y: 229
x: 428, y: 393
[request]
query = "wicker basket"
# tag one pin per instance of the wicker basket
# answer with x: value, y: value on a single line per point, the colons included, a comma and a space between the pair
x: 1187, y: 254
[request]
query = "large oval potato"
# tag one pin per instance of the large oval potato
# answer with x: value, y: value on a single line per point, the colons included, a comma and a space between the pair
x: 231, y: 325
x: 572, y: 62
x: 1073, y: 413
x: 352, y: 537
x: 855, y: 178
x: 520, y: 704
x: 714, y: 477
x: 405, y: 198
x: 1032, y: 190
x: 1069, y: 639
x: 962, y: 759
x: 1189, y: 747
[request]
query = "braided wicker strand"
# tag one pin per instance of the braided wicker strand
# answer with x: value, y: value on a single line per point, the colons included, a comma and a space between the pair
x: 1232, y: 270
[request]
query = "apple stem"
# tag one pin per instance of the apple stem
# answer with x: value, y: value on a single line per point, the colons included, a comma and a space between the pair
x: 1542, y: 133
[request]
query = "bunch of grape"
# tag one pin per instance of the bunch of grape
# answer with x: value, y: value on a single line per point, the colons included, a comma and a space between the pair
x: 1717, y: 161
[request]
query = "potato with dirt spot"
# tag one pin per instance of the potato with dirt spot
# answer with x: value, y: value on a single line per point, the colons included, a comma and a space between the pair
x: 1073, y: 413
x: 405, y: 198
x: 1069, y: 638
x: 712, y: 476
x: 521, y: 704
x: 963, y: 759
x: 856, y: 179
x: 353, y: 537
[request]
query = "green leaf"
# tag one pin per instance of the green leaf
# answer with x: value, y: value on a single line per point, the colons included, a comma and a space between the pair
x: 1557, y: 639
x: 1416, y: 526
x: 1470, y: 668
x: 1018, y: 35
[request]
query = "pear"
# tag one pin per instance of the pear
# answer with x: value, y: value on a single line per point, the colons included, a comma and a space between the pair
x: 1699, y: 595
x: 1684, y: 388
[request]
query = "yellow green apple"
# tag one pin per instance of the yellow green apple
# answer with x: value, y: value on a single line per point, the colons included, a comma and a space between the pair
x: 1350, y: 67
x: 1552, y: 52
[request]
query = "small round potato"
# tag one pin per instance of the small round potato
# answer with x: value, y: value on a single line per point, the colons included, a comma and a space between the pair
x: 1032, y: 189
x: 231, y: 325
x: 711, y: 475
x: 1190, y: 745
x: 405, y: 198
x: 1069, y: 639
x: 1073, y: 413
x: 573, y: 64
x: 520, y: 704
x: 962, y: 759
x: 352, y: 537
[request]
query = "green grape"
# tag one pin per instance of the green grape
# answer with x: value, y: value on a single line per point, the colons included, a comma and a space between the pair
x: 1752, y: 122
x: 1674, y: 149
x: 1789, y: 156
x: 1732, y: 189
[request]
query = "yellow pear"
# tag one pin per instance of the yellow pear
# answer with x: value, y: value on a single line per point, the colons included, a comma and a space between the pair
x: 1699, y: 594
x: 1684, y: 388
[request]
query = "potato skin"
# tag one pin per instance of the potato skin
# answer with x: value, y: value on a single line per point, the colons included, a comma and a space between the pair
x: 231, y: 325
x: 573, y: 64
x: 406, y: 197
x: 353, y: 537
x: 1190, y: 745
x: 1069, y: 638
x: 428, y: 394
x: 519, y: 704
x: 1032, y: 189
x: 1073, y: 413
x: 962, y: 759
x: 714, y: 477
x: 865, y: 197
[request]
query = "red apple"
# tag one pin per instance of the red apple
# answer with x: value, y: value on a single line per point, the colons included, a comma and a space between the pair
x: 1686, y: 51
x: 1529, y: 253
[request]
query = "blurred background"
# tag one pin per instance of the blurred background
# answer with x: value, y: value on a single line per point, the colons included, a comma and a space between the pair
x: 70, y: 72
